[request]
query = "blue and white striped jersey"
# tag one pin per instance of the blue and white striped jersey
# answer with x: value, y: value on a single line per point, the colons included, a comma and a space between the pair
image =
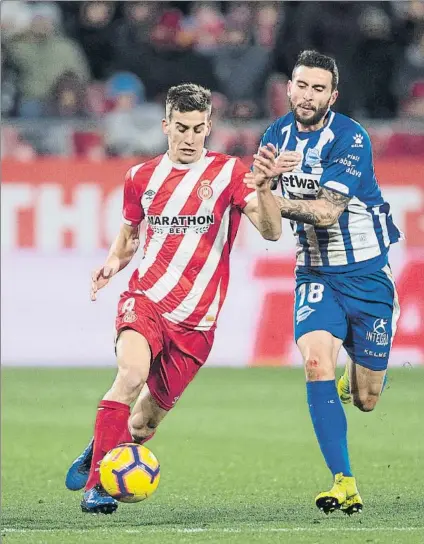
x: 338, y: 157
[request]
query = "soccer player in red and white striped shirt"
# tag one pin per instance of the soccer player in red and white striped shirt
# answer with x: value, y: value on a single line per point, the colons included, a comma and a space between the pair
x: 192, y: 200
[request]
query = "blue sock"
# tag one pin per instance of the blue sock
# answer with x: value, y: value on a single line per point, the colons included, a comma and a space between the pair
x: 330, y: 425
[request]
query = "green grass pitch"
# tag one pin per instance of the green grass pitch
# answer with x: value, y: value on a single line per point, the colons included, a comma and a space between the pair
x: 239, y: 462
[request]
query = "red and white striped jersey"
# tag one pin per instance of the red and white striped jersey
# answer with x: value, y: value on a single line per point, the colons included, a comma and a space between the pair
x: 192, y: 212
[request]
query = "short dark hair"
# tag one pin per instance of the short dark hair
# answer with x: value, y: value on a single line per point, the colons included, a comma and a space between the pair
x: 188, y: 97
x: 313, y: 59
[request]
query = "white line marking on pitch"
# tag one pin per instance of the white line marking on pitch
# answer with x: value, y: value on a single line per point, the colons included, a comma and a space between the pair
x: 145, y: 530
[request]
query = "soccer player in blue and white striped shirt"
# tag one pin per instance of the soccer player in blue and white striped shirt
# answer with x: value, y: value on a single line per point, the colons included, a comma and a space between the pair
x: 345, y: 293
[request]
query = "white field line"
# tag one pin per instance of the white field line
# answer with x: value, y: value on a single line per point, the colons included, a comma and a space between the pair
x: 188, y: 530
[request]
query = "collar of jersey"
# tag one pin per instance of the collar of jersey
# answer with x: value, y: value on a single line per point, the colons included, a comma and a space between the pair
x: 190, y: 166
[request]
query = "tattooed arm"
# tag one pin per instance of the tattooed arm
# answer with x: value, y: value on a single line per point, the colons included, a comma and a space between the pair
x: 322, y: 212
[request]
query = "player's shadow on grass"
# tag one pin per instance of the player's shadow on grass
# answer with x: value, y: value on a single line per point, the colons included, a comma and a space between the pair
x: 300, y: 513
x: 53, y: 517
x: 132, y: 516
x: 224, y: 514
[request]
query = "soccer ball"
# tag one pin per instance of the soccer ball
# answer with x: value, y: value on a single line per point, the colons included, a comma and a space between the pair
x: 130, y: 473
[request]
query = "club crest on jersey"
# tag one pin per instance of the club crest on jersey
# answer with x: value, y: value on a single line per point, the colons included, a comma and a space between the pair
x: 313, y: 157
x: 303, y: 313
x: 129, y: 317
x: 204, y: 192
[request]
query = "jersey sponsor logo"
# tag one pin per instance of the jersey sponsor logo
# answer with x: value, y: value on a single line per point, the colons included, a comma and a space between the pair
x: 357, y: 140
x: 303, y: 313
x: 345, y: 161
x: 353, y: 157
x: 379, y: 334
x: 307, y: 184
x: 353, y: 172
x: 313, y: 157
x: 179, y: 224
x: 350, y: 166
x: 380, y: 325
x: 205, y: 192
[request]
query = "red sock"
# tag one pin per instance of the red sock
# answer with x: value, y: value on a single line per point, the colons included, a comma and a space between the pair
x: 126, y: 436
x: 111, y: 423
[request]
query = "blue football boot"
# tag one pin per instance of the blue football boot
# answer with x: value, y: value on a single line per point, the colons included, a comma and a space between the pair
x: 97, y: 501
x: 77, y: 475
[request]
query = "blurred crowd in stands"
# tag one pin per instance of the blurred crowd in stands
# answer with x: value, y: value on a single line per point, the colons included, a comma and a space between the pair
x: 89, y: 78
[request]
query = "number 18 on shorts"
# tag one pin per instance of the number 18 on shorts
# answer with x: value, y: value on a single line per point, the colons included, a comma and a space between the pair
x: 361, y: 311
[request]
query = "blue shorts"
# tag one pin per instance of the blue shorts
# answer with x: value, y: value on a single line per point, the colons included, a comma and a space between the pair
x: 360, y: 310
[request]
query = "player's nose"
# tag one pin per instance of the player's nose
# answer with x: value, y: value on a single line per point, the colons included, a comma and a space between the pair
x: 189, y: 139
x: 308, y: 94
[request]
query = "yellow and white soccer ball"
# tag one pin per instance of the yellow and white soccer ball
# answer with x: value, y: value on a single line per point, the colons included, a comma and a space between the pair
x: 130, y: 473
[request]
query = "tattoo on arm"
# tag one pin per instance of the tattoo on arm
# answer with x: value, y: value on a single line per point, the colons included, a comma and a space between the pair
x: 337, y: 199
x: 322, y: 212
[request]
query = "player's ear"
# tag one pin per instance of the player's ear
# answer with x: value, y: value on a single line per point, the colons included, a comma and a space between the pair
x: 334, y: 96
x: 289, y: 86
x: 209, y: 127
x: 165, y: 126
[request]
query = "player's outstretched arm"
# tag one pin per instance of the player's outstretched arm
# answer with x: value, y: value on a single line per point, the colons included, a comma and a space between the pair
x: 120, y: 254
x: 322, y: 212
x: 263, y: 211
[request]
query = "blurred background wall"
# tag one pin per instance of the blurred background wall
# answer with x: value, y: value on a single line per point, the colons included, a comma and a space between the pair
x: 82, y: 92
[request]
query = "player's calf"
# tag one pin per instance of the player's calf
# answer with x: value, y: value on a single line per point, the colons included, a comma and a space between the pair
x: 366, y: 386
x: 111, y: 426
x: 319, y: 350
x: 145, y: 417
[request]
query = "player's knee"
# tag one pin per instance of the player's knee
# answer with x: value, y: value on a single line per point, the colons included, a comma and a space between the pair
x: 365, y: 403
x: 318, y: 368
